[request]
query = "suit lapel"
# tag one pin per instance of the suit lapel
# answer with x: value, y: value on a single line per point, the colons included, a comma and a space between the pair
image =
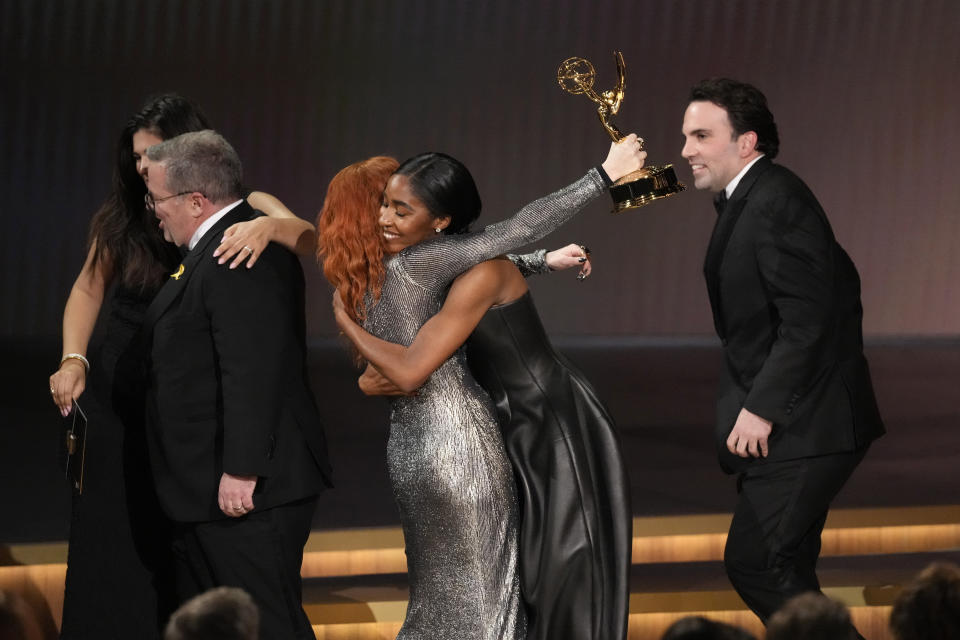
x: 722, y: 230
x: 177, y: 282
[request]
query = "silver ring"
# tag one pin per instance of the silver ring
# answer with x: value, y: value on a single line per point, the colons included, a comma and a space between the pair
x: 52, y: 390
x: 247, y: 248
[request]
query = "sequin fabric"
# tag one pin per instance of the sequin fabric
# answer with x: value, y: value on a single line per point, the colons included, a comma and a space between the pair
x: 530, y: 264
x: 450, y: 474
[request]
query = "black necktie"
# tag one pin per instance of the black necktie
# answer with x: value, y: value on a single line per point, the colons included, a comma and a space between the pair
x: 720, y: 201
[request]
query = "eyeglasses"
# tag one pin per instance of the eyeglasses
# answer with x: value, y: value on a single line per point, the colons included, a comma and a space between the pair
x: 151, y: 202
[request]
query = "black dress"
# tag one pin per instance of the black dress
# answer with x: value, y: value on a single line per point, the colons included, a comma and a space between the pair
x: 118, y: 559
x: 575, y: 517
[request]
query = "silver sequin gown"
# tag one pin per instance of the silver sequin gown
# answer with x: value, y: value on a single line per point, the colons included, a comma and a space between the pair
x: 450, y: 474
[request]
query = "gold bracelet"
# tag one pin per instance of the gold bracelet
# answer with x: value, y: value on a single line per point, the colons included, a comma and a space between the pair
x: 77, y: 356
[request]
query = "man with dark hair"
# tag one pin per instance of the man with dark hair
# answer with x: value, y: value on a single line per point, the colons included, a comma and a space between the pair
x: 796, y: 410
x: 224, y: 613
x: 811, y: 616
x: 236, y: 445
x: 929, y: 607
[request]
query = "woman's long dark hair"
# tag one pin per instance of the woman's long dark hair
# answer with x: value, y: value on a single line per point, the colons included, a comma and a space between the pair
x: 129, y: 246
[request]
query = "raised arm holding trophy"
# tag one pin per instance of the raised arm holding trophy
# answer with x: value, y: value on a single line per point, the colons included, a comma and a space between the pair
x: 576, y: 76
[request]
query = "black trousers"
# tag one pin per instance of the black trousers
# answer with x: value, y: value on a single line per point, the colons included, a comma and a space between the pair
x: 261, y: 553
x: 774, y: 539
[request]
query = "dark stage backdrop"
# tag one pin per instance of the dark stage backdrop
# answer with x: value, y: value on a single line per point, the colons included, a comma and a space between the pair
x: 864, y: 91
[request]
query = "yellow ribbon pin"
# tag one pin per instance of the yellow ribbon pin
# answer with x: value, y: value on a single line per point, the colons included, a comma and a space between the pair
x: 176, y: 276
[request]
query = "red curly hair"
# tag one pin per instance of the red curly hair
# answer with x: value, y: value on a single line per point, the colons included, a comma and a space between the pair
x: 349, y: 241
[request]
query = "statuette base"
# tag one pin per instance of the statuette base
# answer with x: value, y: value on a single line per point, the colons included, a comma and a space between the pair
x: 642, y: 187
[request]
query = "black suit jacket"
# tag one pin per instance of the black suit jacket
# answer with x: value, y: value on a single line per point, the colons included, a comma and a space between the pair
x: 228, y: 390
x: 786, y: 305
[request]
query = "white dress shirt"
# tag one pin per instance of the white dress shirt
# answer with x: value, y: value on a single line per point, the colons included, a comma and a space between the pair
x: 209, y: 222
x: 736, y: 180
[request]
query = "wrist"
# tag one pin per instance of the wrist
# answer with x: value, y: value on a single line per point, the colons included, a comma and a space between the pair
x: 533, y: 263
x: 605, y: 176
x: 548, y: 260
x: 272, y: 227
x: 346, y: 325
x: 77, y: 358
x: 611, y: 171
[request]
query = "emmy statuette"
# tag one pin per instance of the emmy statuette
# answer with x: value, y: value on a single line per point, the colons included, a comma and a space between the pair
x: 576, y: 76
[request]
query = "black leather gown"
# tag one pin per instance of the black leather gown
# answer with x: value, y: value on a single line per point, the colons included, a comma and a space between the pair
x: 575, y: 516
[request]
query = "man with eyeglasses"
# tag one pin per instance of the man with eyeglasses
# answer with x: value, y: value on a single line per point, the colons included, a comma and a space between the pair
x: 236, y: 445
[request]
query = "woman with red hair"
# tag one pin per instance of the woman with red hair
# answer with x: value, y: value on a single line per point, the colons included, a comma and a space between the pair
x: 349, y: 240
x: 448, y: 467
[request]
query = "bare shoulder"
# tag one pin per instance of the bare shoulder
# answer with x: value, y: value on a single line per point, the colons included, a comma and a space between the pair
x: 497, y: 280
x: 493, y: 271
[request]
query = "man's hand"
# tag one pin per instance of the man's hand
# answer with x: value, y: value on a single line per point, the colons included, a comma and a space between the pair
x: 749, y: 435
x: 236, y: 494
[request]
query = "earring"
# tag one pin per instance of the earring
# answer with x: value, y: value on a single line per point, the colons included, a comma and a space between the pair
x: 438, y: 230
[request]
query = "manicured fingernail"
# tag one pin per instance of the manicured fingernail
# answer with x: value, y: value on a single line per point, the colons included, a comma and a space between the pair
x: 581, y: 260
